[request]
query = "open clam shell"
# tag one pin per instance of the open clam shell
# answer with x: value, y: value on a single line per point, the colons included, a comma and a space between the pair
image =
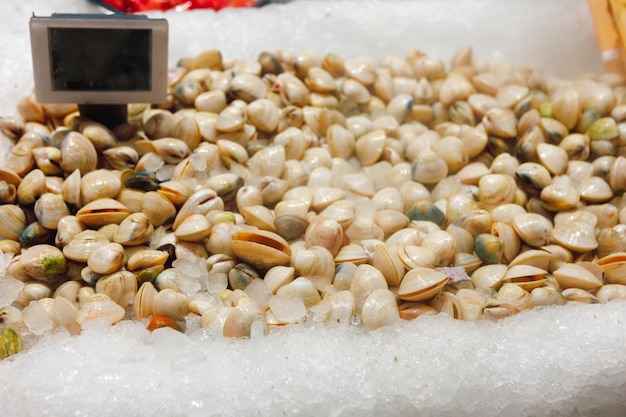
x: 102, y: 212
x: 261, y: 248
x: 421, y: 284
x: 526, y: 276
x: 614, y: 266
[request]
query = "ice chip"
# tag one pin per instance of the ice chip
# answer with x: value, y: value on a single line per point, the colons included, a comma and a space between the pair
x: 287, y: 308
x: 153, y: 163
x: 258, y: 291
x: 36, y: 318
x: 187, y: 267
x: 9, y: 290
x: 165, y: 172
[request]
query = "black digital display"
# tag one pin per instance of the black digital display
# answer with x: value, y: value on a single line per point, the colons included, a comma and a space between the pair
x: 84, y: 59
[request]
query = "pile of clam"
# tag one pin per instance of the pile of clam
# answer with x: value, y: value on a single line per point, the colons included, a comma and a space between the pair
x: 306, y: 187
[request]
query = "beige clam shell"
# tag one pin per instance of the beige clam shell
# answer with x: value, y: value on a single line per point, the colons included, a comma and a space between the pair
x: 102, y: 212
x: 614, y: 266
x: 421, y: 284
x: 194, y: 228
x: 526, y: 276
x: 572, y: 275
x: 261, y: 248
x: 386, y: 260
x: 106, y: 259
x: 577, y: 237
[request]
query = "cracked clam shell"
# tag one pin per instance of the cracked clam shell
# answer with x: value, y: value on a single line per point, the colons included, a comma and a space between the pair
x: 421, y: 284
x: 102, y: 212
x: 261, y: 248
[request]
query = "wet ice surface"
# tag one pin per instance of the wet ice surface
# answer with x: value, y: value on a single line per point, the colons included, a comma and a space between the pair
x: 564, y: 361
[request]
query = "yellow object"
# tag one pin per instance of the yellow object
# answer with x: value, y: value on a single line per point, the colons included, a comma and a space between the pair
x: 609, y: 18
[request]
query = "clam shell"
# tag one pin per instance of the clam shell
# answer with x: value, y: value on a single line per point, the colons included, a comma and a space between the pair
x: 102, y: 212
x: 421, y: 284
x: 578, y: 276
x: 614, y: 266
x: 83, y: 244
x: 526, y: 276
x: 261, y: 248
x: 134, y: 230
x: 98, y: 307
x: 577, y: 237
x: 379, y: 309
x: 106, y: 259
x: 387, y: 261
x: 13, y: 221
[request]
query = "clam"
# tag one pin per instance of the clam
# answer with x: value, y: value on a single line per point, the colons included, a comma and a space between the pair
x: 200, y: 202
x: 120, y: 286
x: 10, y: 344
x: 366, y: 279
x: 194, y: 228
x: 99, y: 307
x: 317, y: 264
x: 545, y: 296
x: 14, y: 221
x: 489, y: 276
x: 614, y: 266
x: 106, y: 259
x: 43, y: 262
x: 325, y: 233
x: 379, y: 309
x: 301, y: 287
x: 496, y: 189
x: 99, y: 184
x: 611, y: 292
x: 489, y: 248
x: 426, y: 210
x: 77, y: 152
x: 576, y: 295
x: 421, y: 284
x: 121, y: 157
x: 49, y: 209
x: 526, y: 276
x: 134, y: 230
x: 582, y: 276
x: 157, y: 207
x: 533, y: 228
x: 577, y: 237
x: 448, y: 303
x: 260, y: 248
x: 101, y: 212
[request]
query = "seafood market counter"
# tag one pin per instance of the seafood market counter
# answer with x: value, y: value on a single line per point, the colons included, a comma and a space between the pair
x: 551, y: 361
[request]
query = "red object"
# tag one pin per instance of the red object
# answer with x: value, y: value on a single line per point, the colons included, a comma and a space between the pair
x: 134, y: 6
x: 162, y: 321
